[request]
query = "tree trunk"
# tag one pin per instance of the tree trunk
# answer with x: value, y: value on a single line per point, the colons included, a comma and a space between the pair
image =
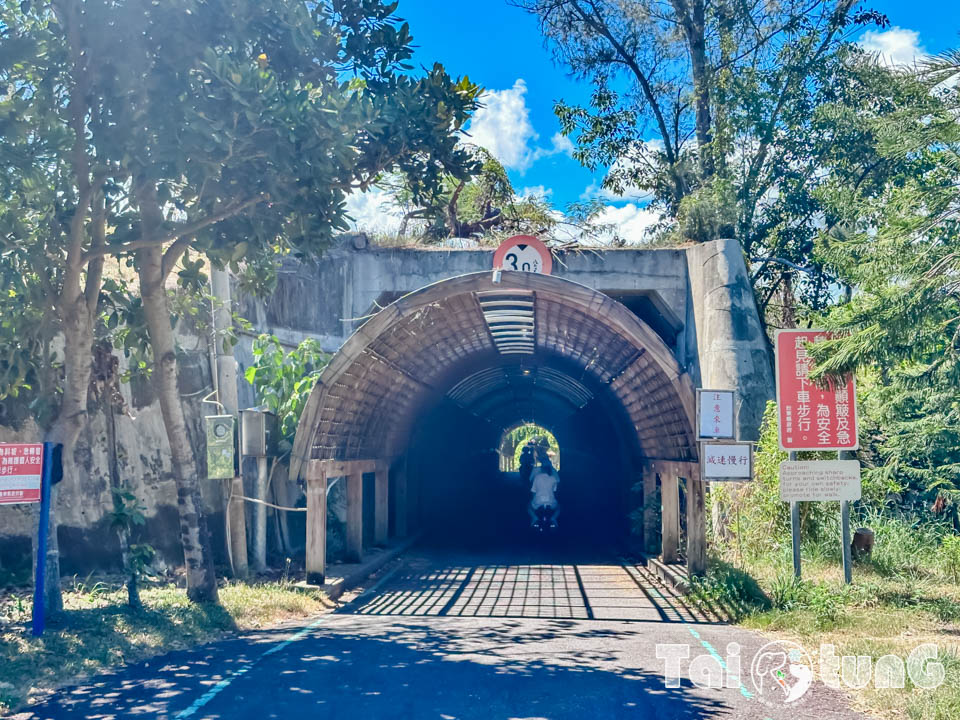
x: 693, y: 21
x: 194, y: 533
x: 78, y: 359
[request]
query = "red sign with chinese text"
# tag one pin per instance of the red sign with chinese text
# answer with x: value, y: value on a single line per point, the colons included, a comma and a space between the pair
x: 811, y: 417
x: 20, y: 468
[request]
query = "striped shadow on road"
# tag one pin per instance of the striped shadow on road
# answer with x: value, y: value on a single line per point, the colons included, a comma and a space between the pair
x: 567, y: 591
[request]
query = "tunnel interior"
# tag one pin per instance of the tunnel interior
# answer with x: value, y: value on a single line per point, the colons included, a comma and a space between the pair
x: 431, y: 383
x: 464, y: 497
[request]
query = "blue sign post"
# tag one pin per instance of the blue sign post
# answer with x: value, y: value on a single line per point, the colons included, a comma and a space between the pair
x: 39, y: 586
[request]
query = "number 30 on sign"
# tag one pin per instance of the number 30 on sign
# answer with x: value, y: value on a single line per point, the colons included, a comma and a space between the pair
x: 523, y: 253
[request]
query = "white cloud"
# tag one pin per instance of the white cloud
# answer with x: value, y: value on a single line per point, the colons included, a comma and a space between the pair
x: 561, y: 144
x: 632, y: 223
x: 641, y: 154
x: 594, y: 190
x: 896, y: 47
x: 538, y: 191
x: 374, y: 211
x: 503, y: 127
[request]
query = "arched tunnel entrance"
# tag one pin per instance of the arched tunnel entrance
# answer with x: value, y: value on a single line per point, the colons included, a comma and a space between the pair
x: 429, y: 384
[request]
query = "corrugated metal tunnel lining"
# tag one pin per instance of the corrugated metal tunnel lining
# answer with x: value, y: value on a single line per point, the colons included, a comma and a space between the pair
x: 530, y: 344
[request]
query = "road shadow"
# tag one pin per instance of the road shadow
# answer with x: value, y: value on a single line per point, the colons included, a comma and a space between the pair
x: 367, y: 668
x: 534, y: 585
x: 494, y: 670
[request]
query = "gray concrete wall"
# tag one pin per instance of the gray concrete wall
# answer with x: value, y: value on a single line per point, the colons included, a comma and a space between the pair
x: 331, y: 299
x: 85, y: 500
x: 723, y: 322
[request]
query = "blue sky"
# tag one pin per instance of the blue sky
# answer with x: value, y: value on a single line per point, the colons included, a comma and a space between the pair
x: 501, y: 49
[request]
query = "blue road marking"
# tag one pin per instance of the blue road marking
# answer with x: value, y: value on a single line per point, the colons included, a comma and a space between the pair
x: 225, y: 683
x: 716, y: 656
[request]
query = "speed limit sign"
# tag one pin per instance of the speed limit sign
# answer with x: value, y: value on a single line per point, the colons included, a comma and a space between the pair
x: 523, y: 253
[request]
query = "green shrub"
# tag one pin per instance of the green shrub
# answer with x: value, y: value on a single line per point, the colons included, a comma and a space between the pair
x: 788, y: 593
x: 728, y: 591
x: 903, y: 545
x: 906, y: 544
x: 950, y: 556
x: 757, y: 518
x: 824, y: 601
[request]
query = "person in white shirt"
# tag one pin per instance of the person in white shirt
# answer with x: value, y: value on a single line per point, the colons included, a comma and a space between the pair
x: 543, y: 486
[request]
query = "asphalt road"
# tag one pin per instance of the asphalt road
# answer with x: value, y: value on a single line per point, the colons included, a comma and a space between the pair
x: 451, y: 636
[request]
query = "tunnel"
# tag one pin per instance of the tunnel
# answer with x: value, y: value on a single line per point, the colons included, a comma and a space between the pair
x: 429, y: 385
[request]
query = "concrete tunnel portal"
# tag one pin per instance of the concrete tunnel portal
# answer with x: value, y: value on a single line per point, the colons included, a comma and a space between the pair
x: 425, y: 389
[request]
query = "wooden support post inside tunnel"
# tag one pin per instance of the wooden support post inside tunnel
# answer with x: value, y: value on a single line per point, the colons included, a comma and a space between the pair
x: 401, y: 501
x: 381, y: 506
x: 316, y: 523
x: 696, y: 527
x: 354, y: 550
x: 650, y: 504
x: 670, y: 517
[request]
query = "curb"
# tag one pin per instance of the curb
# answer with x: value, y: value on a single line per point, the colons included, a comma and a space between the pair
x: 674, y: 575
x: 356, y: 576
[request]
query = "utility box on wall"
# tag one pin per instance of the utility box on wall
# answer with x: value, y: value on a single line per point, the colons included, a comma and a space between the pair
x: 221, y: 446
x: 258, y: 433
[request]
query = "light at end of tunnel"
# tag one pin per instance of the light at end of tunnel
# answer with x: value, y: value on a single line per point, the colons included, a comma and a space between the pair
x: 496, y: 276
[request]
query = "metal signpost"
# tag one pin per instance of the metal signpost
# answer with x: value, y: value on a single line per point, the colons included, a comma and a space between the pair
x: 722, y: 457
x: 819, y: 419
x: 25, y: 477
x: 39, y: 585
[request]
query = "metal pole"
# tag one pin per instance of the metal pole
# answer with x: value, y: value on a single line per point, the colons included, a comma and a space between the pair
x: 845, y: 529
x: 845, y: 524
x: 39, y: 585
x: 237, y: 521
x: 795, y: 529
x: 260, y: 518
x: 225, y: 383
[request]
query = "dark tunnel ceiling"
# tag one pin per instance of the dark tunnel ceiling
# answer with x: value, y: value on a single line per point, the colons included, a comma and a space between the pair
x: 521, y: 387
x: 497, y: 350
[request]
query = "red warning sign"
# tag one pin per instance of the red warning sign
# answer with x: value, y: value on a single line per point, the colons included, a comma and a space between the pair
x: 811, y: 417
x: 20, y: 469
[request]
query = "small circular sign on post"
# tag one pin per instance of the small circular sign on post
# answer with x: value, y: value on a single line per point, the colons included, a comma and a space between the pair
x: 523, y: 253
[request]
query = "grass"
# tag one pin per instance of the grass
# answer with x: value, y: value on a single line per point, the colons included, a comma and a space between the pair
x: 903, y: 596
x: 98, y: 630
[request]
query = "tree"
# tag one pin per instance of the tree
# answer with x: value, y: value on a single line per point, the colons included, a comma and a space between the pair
x: 234, y: 129
x: 487, y: 206
x: 898, y: 250
x: 717, y: 108
x: 53, y: 208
